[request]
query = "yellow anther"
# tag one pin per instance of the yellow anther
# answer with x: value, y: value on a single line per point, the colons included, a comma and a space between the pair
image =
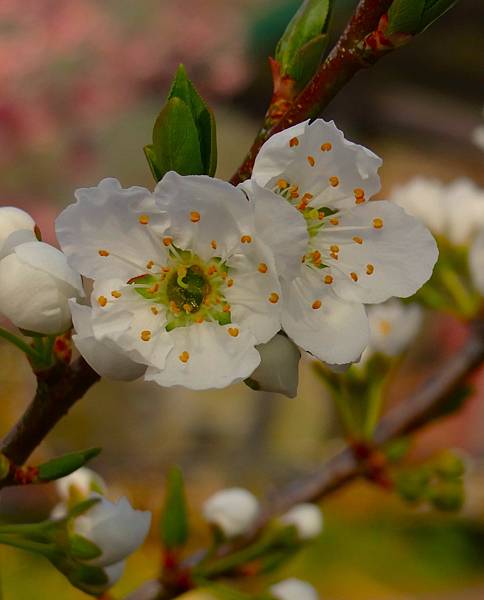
x: 370, y: 269
x: 334, y: 256
x: 326, y: 147
x: 274, y: 298
x: 194, y: 216
x: 316, y: 256
x: 116, y: 294
x: 354, y: 276
x: 213, y: 243
x: 233, y: 331
x: 199, y: 319
x: 282, y: 184
x: 333, y: 181
x: 328, y: 279
x: 211, y: 270
x: 184, y: 356
x: 294, y: 194
x: 168, y: 240
x: 321, y: 215
x: 293, y: 142
x: 226, y: 308
x: 262, y: 268
x: 360, y: 200
x: 230, y: 282
x: 316, y: 304
x: 154, y: 310
x: 359, y: 192
x: 150, y: 264
x: 103, y: 253
x: 334, y: 248
x: 187, y: 308
x: 165, y: 269
x: 334, y: 221
x: 144, y: 219
x: 246, y: 239
x: 377, y: 223
x: 357, y: 239
x: 145, y: 335
x: 154, y: 288
x: 311, y: 160
x: 102, y: 300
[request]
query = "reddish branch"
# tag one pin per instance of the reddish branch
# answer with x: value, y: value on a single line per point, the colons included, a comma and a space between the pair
x: 348, y: 56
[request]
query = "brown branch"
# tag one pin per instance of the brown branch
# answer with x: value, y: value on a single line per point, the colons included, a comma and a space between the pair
x: 410, y: 415
x: 347, y: 57
x: 56, y: 393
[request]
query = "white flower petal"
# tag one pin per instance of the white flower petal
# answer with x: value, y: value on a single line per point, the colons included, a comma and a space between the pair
x: 476, y: 262
x: 104, y: 359
x: 395, y: 255
x: 255, y: 294
x: 330, y: 175
x: 393, y: 325
x: 281, y: 228
x: 336, y: 332
x: 206, y: 355
x: 80, y: 485
x: 306, y: 518
x: 233, y: 510
x: 204, y: 210
x: 116, y: 528
x: 106, y: 219
x: 279, y: 368
x: 294, y: 589
x: 13, y: 219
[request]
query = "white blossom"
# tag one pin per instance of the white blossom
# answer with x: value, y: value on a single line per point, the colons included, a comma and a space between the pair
x: 115, y: 528
x: 454, y: 211
x: 354, y: 252
x: 393, y: 326
x: 232, y: 510
x: 14, y: 221
x: 279, y: 368
x: 183, y: 283
x: 80, y: 485
x: 36, y: 284
x: 306, y: 518
x: 294, y: 589
x: 476, y: 262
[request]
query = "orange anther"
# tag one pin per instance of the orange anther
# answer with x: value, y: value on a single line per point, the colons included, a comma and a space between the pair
x: 145, y: 335
x: 233, y: 331
x: 262, y: 268
x: 326, y: 147
x: 293, y: 142
x: 194, y: 216
x: 184, y: 356
x: 316, y: 304
x: 274, y: 298
x: 102, y: 300
x: 311, y: 160
x: 333, y: 181
x: 377, y: 223
x: 144, y: 219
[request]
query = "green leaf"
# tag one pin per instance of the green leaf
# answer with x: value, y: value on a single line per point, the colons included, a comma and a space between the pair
x: 82, y: 548
x: 150, y: 154
x: 184, y: 89
x: 174, y: 519
x: 433, y: 10
x: 309, y: 22
x: 175, y: 140
x: 307, y: 59
x: 405, y: 16
x: 67, y: 464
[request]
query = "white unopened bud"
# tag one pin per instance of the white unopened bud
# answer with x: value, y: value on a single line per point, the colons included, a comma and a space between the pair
x: 13, y: 220
x: 105, y: 360
x: 306, y: 518
x: 78, y: 486
x: 35, y: 285
x: 279, y: 367
x: 476, y: 262
x: 294, y: 589
x: 233, y: 511
x: 116, y: 529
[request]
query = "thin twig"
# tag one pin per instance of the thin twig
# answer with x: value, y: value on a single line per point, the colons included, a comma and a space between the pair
x: 346, y: 58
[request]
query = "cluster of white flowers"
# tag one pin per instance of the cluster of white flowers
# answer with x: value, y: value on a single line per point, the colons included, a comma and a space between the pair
x: 454, y: 212
x: 192, y: 280
x: 36, y: 281
x: 234, y: 511
x: 116, y: 529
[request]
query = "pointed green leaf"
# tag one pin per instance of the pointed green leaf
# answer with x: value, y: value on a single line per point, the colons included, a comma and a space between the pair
x: 307, y: 59
x: 174, y: 519
x: 308, y: 23
x: 175, y: 141
x: 405, y: 16
x: 82, y: 507
x: 151, y: 158
x: 82, y: 548
x: 67, y: 464
x: 433, y: 10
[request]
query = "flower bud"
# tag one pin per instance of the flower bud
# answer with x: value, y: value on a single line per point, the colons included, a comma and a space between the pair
x: 36, y: 283
x: 113, y: 573
x: 233, y: 511
x: 279, y: 367
x: 78, y: 486
x: 294, y: 589
x: 13, y: 220
x: 115, y: 528
x: 306, y: 518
